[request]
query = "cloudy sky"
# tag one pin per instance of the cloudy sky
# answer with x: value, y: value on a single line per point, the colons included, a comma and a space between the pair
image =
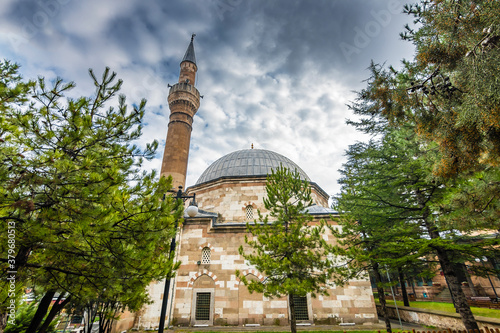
x: 277, y: 74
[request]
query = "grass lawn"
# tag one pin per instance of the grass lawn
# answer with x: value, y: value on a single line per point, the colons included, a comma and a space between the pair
x: 448, y: 307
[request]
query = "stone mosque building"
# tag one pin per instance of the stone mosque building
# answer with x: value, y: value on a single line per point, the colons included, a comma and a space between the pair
x: 206, y: 291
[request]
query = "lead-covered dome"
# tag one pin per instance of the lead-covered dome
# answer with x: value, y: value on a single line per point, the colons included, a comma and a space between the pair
x: 248, y: 162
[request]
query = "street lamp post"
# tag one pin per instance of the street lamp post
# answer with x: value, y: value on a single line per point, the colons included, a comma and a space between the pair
x: 192, y: 210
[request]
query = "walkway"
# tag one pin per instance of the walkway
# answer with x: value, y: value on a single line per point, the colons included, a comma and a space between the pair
x: 373, y: 327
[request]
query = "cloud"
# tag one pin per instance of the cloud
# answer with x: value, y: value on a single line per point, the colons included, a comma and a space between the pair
x: 273, y: 73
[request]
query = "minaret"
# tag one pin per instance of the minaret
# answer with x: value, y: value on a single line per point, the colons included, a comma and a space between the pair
x: 183, y: 101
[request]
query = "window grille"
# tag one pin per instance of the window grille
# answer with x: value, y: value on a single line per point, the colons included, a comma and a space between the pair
x: 300, y: 308
x: 249, y: 213
x: 205, y: 255
x: 202, y: 306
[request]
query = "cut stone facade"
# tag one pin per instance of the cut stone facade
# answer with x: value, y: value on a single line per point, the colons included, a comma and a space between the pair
x: 217, y: 235
x: 231, y: 303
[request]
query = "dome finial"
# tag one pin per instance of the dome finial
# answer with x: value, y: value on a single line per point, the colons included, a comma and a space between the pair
x: 252, y: 146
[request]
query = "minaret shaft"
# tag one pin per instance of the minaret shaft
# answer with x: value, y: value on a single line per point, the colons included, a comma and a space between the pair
x: 183, y: 101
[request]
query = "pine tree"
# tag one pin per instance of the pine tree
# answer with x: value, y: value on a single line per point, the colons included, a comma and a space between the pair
x: 388, y: 197
x: 88, y: 222
x: 449, y: 95
x: 374, y: 205
x: 287, y: 247
x: 454, y: 90
x: 13, y: 93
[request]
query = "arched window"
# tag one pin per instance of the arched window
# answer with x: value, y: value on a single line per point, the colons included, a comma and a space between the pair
x: 205, y: 255
x: 249, y: 213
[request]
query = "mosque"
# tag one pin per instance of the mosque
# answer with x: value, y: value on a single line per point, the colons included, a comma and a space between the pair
x: 206, y: 290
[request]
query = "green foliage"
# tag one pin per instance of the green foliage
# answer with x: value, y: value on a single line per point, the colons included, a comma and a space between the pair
x: 389, y: 199
x: 23, y: 319
x: 399, y: 199
x: 382, y: 103
x: 287, y: 249
x: 13, y: 93
x: 88, y: 221
x: 448, y: 96
x: 449, y: 93
x: 472, y: 205
x: 381, y: 217
x: 380, y: 213
x: 454, y: 89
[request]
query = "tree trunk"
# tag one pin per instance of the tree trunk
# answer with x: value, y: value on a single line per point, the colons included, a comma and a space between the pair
x: 110, y: 314
x: 41, y: 311
x: 381, y: 298
x: 22, y: 257
x: 459, y: 299
x: 406, y: 302
x: 293, y: 321
x: 56, y: 308
x: 91, y: 308
x: 413, y: 287
x: 448, y: 268
x: 107, y: 315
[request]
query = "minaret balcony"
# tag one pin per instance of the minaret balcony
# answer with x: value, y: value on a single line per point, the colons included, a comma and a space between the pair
x: 185, y: 87
x: 182, y: 93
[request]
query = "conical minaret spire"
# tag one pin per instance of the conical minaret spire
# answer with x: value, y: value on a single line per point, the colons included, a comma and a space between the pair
x: 183, y: 101
x: 189, y: 55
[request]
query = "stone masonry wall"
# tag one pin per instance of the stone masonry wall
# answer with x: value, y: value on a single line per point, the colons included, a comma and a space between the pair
x: 233, y: 305
x: 439, y: 319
